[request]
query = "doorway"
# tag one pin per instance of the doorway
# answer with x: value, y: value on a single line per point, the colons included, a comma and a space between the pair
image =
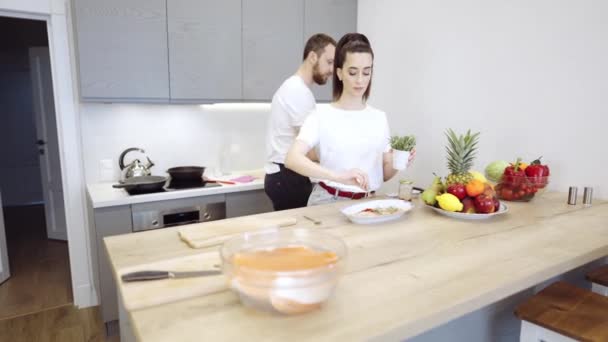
x: 35, y: 275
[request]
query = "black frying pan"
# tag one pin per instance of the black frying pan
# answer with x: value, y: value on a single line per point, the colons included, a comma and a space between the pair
x: 142, y: 184
x: 186, y: 173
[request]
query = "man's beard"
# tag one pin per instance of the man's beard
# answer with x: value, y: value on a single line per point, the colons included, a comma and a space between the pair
x: 318, y: 77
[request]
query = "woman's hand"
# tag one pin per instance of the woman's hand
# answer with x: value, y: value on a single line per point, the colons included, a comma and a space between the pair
x: 353, y: 177
x: 411, y: 158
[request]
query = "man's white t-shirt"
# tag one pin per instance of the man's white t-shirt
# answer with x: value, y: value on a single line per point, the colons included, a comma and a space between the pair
x: 349, y: 139
x: 292, y: 102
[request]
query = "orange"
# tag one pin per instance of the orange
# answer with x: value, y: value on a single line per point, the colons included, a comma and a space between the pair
x: 475, y: 187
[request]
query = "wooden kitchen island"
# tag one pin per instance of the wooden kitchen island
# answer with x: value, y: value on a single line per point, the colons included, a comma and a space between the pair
x: 402, y: 278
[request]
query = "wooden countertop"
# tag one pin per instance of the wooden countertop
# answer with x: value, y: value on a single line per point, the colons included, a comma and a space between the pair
x: 402, y: 278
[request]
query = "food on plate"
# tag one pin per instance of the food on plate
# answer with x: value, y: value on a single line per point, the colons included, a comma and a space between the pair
x: 379, y: 211
x: 478, y: 176
x: 468, y: 205
x: 484, y: 204
x: 464, y: 191
x: 461, y: 152
x: 475, y: 188
x: 449, y: 202
x: 457, y: 190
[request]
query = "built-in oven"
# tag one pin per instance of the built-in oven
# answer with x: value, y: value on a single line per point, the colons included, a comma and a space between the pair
x: 170, y: 213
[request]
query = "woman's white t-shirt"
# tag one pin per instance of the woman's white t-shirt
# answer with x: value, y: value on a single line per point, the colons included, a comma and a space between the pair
x: 349, y: 139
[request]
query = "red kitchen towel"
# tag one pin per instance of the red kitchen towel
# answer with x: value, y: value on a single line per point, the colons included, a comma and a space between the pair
x: 243, y: 179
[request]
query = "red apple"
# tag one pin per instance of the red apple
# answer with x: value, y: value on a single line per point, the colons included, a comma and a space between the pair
x: 468, y: 205
x: 484, y: 204
x: 457, y: 190
x: 496, y: 203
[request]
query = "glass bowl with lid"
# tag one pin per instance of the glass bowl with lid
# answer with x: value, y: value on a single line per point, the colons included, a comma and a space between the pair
x: 283, y: 271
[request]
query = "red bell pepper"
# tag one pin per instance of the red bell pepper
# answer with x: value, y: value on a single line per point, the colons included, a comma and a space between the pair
x: 537, y: 172
x: 513, y: 174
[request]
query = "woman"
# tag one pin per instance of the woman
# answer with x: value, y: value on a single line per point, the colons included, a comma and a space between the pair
x: 353, y: 137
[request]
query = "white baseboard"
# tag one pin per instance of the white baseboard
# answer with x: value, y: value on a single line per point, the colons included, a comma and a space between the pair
x: 85, y: 296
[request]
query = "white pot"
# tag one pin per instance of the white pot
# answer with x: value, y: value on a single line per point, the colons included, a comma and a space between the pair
x: 400, y: 159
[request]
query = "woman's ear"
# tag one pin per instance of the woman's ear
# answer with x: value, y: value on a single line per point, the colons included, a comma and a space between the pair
x: 339, y: 73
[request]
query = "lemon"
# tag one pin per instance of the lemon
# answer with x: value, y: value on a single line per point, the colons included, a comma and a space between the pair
x: 477, y: 175
x: 449, y: 202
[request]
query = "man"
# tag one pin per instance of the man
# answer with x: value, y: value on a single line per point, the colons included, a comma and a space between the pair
x: 292, y: 102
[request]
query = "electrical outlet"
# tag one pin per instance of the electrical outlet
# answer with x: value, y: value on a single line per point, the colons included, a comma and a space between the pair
x: 106, y: 170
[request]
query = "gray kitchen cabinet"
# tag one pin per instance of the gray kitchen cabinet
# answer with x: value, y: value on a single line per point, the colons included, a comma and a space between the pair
x: 247, y: 203
x: 205, y: 49
x: 272, y: 45
x: 334, y: 18
x: 108, y: 222
x: 122, y: 49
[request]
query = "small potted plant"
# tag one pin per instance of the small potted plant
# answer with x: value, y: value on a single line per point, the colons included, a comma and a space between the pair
x: 402, y: 145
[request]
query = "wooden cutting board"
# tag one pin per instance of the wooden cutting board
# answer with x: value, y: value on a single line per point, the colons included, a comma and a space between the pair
x: 201, y: 235
x: 143, y: 294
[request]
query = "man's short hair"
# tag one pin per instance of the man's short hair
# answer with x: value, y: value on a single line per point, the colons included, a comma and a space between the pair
x: 317, y: 44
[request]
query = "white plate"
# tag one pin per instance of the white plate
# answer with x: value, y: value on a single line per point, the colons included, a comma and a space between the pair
x: 503, y: 209
x: 352, y: 210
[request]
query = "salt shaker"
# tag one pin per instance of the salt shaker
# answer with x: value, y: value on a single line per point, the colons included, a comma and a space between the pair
x: 572, y: 192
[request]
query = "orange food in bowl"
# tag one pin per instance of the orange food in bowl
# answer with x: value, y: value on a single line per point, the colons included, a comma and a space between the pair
x: 282, y: 259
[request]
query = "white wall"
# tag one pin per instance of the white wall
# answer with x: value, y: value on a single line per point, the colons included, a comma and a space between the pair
x: 530, y: 75
x: 226, y: 136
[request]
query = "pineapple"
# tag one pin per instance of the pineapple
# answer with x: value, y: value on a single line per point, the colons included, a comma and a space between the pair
x: 461, y: 152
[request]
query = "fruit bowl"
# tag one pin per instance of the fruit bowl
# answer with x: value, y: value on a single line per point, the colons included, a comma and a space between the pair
x: 283, y: 271
x: 521, y: 188
x: 466, y: 216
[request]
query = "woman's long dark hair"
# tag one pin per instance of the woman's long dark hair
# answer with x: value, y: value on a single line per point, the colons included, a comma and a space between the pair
x: 350, y: 42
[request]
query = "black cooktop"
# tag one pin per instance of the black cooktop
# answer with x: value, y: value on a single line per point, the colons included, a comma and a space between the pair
x: 190, y: 184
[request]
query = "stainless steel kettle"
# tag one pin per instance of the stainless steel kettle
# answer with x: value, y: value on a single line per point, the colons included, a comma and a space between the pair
x: 136, y: 168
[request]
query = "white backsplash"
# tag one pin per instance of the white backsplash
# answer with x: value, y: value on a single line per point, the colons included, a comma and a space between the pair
x: 220, y: 136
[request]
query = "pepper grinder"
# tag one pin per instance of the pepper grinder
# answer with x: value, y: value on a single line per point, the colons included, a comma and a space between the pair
x: 587, y: 196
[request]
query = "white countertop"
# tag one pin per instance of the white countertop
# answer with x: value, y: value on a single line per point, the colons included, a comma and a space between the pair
x: 104, y: 195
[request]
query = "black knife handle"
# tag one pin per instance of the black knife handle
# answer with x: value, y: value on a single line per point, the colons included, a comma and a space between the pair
x: 145, y: 275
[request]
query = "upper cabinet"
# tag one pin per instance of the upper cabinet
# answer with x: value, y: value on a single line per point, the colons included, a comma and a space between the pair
x: 205, y: 49
x: 198, y: 50
x: 122, y: 49
x: 332, y: 17
x: 272, y: 45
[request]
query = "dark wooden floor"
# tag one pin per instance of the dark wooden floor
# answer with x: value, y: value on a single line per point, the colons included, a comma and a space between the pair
x: 40, y: 269
x: 36, y: 302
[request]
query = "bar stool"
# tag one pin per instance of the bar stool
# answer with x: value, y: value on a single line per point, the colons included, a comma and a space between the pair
x: 599, y: 280
x: 563, y: 313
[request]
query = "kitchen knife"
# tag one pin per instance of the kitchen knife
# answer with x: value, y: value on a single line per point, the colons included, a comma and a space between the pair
x: 155, y: 275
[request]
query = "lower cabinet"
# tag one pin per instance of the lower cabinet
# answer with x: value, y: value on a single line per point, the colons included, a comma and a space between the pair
x: 247, y: 203
x: 108, y: 222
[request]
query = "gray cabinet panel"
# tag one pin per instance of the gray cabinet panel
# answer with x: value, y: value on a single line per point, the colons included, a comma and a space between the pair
x: 109, y: 221
x: 247, y: 203
x: 205, y: 49
x: 122, y: 49
x: 332, y: 17
x: 272, y: 45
